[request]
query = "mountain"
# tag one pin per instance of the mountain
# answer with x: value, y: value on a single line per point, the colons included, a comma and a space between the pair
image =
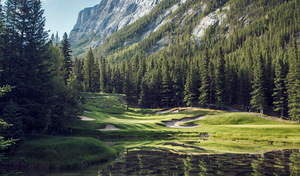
x: 223, y: 52
x: 134, y: 20
x: 98, y: 22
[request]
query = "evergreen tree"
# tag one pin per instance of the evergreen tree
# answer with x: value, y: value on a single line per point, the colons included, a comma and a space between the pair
x: 56, y: 39
x: 89, y: 70
x: 143, y: 98
x: 108, y: 73
x: 279, y: 94
x: 3, y: 125
x: 103, y: 77
x: 204, y: 89
x: 166, y: 91
x: 177, y: 83
x: 258, y: 99
x: 117, y: 81
x: 66, y: 66
x: 242, y: 88
x: 96, y: 78
x: 12, y: 115
x: 78, y: 71
x: 26, y: 63
x: 293, y: 85
x: 190, y: 88
x: 127, y: 86
x: 220, y: 80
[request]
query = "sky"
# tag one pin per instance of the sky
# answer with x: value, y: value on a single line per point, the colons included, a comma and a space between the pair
x: 61, y: 15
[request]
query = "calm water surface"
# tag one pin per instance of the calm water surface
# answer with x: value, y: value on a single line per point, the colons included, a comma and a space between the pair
x: 280, y: 162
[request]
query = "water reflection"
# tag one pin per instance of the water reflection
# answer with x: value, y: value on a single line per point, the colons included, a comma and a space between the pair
x: 285, y: 162
x: 136, y: 163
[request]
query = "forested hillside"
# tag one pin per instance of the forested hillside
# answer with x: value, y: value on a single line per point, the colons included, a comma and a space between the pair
x: 250, y: 59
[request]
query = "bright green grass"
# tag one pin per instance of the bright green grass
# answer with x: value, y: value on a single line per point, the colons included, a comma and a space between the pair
x: 233, y: 118
x: 61, y: 152
x: 229, y: 131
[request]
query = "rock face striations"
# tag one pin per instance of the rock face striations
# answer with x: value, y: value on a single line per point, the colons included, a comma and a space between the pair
x: 96, y: 23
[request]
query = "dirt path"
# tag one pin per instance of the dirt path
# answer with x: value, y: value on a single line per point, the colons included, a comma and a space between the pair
x: 109, y: 127
x: 174, y: 122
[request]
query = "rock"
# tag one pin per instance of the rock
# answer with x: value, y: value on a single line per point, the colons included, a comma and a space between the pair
x: 96, y: 23
x: 108, y: 17
x: 214, y: 18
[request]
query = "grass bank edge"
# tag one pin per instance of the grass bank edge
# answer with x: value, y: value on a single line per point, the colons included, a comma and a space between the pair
x: 56, y: 152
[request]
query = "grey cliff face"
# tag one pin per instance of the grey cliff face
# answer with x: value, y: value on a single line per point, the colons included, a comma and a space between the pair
x: 84, y: 16
x: 108, y: 17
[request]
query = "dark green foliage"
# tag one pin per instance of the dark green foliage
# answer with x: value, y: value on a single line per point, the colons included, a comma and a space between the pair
x: 178, y: 86
x: 26, y: 63
x: 191, y: 87
x: 103, y: 76
x: 280, y: 89
x: 259, y: 100
x: 78, y: 71
x: 166, y: 89
x: 41, y: 98
x: 96, y: 77
x: 11, y: 115
x: 144, y: 95
x: 89, y: 70
x: 293, y: 84
x: 204, y: 89
x: 128, y: 85
x: 220, y: 80
x: 3, y: 125
x: 67, y: 62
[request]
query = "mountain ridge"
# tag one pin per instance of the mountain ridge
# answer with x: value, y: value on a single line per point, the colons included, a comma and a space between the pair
x: 96, y: 23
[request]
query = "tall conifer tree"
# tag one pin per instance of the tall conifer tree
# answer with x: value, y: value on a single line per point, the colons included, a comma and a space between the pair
x: 103, y: 77
x: 204, y: 89
x: 279, y: 94
x: 96, y: 78
x: 27, y: 63
x: 166, y: 84
x: 258, y: 99
x: 66, y: 66
x: 88, y: 70
x: 293, y: 84
x: 190, y: 88
x: 220, y: 80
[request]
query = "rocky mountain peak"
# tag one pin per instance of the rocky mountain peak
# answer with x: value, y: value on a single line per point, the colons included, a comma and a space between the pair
x: 108, y: 17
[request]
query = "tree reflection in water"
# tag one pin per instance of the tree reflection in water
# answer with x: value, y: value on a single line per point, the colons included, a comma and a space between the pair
x: 284, y: 162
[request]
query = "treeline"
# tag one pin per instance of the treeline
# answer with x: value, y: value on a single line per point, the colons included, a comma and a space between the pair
x: 256, y: 66
x: 43, y: 97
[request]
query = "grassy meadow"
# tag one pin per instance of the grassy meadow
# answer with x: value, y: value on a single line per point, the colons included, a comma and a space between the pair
x: 143, y: 129
x: 229, y: 132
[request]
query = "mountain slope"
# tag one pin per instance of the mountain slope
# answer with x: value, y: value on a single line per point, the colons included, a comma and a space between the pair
x: 95, y: 24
